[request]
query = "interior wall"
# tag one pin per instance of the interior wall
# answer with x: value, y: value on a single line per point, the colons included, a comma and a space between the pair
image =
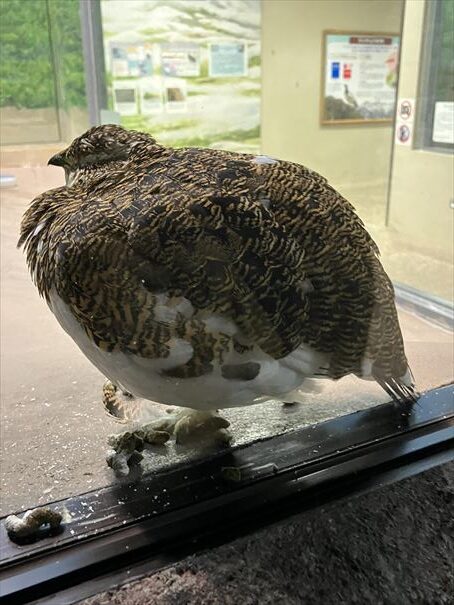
x: 422, y: 181
x: 355, y: 158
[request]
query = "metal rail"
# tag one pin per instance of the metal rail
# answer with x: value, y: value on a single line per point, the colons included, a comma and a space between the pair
x: 168, y: 515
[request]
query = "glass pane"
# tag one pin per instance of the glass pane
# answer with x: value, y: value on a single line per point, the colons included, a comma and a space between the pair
x: 444, y: 90
x: 417, y: 238
x: 437, y: 116
x: 261, y: 78
x: 28, y: 96
x: 66, y: 37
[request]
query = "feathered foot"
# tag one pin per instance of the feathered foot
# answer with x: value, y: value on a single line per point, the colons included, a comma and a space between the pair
x: 191, y: 427
x: 121, y: 407
x: 126, y: 448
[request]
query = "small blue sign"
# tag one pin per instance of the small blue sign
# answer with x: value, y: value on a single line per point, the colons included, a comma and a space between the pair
x: 228, y: 59
x: 335, y: 70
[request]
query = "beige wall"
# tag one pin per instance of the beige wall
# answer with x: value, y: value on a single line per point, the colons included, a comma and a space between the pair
x: 422, y: 181
x: 355, y: 158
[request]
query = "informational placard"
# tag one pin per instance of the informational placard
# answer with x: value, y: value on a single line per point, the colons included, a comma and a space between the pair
x: 227, y: 59
x: 125, y: 97
x: 151, y: 100
x: 131, y: 60
x: 359, y: 77
x: 404, y: 127
x: 176, y: 95
x: 180, y: 59
x: 443, y: 128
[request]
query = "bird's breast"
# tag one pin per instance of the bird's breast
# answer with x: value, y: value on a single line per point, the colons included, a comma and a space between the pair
x: 243, y: 375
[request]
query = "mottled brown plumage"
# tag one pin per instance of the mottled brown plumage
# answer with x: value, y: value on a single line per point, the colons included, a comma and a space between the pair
x: 146, y: 243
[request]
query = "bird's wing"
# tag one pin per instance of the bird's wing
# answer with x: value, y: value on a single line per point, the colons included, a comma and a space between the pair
x: 165, y: 263
x: 268, y: 246
x: 350, y: 311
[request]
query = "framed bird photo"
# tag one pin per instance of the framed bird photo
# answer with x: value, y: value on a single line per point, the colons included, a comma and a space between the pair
x: 359, y: 77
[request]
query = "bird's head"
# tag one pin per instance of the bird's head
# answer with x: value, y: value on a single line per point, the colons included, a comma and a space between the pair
x: 97, y: 147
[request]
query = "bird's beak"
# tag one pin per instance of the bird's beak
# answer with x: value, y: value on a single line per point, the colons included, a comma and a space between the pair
x: 56, y: 160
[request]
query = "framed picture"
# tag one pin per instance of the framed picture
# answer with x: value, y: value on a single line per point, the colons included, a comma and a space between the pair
x: 359, y: 77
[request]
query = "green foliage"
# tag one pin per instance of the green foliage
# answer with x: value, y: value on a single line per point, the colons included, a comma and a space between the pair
x: 255, y: 61
x: 66, y: 30
x: 178, y: 125
x: 245, y: 136
x: 222, y: 81
x: 136, y: 122
x: 27, y: 64
x: 26, y: 68
x: 445, y: 75
x: 204, y: 68
x: 145, y: 124
x: 249, y: 136
x: 156, y: 34
x: 250, y: 92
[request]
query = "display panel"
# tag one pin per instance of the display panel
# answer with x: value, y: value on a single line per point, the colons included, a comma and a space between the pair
x: 360, y: 77
x: 200, y: 61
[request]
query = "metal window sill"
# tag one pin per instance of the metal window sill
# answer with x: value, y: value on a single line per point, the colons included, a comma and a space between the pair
x: 167, y: 515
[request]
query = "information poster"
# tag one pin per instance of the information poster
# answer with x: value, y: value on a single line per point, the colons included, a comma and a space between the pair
x: 125, y: 97
x: 227, y: 59
x: 131, y: 60
x: 176, y: 95
x: 151, y: 96
x: 360, y: 77
x: 443, y: 128
x: 180, y: 59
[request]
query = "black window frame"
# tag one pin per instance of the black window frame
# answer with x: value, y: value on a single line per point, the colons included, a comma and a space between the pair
x: 229, y: 494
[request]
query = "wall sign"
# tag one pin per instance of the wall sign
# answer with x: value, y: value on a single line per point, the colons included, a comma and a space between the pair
x: 359, y: 77
x: 227, y: 59
x: 443, y: 128
x: 180, y: 59
x: 404, y: 128
x: 131, y: 60
x: 125, y: 97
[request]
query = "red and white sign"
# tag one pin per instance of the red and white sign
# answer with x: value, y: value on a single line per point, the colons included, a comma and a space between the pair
x: 347, y: 71
x: 404, y: 122
x: 406, y: 109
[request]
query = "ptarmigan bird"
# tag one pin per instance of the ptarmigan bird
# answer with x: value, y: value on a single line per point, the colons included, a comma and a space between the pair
x: 349, y: 98
x: 208, y: 279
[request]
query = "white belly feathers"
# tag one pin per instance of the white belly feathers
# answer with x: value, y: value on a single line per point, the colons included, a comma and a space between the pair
x: 142, y: 376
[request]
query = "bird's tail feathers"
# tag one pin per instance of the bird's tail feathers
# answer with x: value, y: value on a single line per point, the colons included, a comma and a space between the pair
x: 402, y: 389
